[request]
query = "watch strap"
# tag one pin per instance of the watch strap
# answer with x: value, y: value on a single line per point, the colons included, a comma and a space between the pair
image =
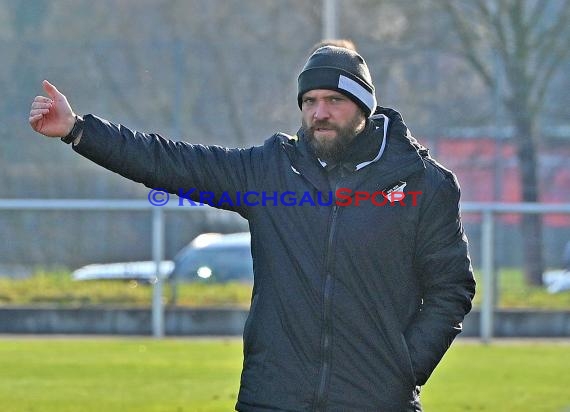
x: 75, y: 131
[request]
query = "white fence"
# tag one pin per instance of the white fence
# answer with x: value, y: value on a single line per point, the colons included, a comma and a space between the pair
x: 487, y: 210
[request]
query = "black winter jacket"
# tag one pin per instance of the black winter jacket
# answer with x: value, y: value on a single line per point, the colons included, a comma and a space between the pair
x: 353, y: 306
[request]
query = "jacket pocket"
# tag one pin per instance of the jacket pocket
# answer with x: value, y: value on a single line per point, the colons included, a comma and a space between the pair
x: 249, y: 327
x: 409, y: 369
x: 255, y: 350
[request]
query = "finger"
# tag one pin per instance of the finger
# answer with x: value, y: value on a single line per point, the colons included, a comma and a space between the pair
x: 50, y: 89
x: 41, y: 105
x: 35, y: 112
x: 35, y: 119
x: 43, y: 99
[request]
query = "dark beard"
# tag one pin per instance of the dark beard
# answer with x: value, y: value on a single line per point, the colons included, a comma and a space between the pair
x: 332, y: 150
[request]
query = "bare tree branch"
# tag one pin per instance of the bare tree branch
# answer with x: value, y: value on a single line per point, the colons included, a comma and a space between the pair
x: 519, y: 36
x: 545, y: 73
x: 537, y: 13
x: 228, y: 86
x: 483, y: 8
x: 499, y: 25
x: 461, y: 25
x: 549, y: 37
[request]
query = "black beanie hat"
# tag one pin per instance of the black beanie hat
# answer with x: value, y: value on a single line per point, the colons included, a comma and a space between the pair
x: 340, y: 69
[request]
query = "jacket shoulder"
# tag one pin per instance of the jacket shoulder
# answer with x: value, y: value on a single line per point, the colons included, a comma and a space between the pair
x: 438, y: 173
x: 440, y: 169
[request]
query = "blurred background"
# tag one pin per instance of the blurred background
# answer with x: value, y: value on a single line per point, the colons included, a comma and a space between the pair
x: 483, y: 84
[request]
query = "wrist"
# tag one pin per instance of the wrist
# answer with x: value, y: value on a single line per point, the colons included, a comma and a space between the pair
x: 70, y: 122
x: 76, y: 131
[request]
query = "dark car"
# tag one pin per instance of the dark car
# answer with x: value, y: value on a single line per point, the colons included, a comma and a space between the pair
x: 210, y: 257
x: 213, y: 257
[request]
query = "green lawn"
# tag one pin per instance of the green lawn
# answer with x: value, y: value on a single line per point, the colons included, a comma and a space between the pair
x: 502, y: 377
x: 72, y: 374
x: 122, y: 375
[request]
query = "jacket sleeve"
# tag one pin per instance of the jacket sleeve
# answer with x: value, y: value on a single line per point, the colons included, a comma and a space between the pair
x: 196, y: 172
x: 442, y: 262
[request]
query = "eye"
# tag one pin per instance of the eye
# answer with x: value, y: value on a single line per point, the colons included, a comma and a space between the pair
x: 308, y: 101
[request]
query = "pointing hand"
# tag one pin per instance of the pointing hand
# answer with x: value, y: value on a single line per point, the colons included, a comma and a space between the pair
x: 51, y: 116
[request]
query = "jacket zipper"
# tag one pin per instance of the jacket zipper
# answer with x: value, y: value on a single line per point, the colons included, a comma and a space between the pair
x: 327, y: 321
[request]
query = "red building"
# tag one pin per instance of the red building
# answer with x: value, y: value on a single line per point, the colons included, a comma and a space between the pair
x: 488, y: 171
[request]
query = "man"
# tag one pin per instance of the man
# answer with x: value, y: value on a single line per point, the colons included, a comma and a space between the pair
x: 357, y: 297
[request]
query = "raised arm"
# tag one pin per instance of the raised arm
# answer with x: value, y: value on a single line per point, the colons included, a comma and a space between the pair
x: 208, y: 174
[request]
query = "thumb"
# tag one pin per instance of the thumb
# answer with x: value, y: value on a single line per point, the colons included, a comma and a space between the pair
x: 50, y: 89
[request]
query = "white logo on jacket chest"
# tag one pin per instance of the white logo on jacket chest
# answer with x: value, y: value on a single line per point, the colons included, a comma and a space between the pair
x: 395, y: 193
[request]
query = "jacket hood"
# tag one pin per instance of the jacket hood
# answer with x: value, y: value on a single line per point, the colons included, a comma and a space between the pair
x: 398, y: 129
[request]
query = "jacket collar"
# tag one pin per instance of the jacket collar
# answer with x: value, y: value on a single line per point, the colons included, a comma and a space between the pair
x: 399, y: 154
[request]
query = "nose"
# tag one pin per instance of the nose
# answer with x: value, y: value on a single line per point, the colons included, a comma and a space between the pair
x: 321, y: 111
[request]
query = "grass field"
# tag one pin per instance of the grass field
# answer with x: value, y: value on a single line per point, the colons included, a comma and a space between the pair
x: 144, y: 375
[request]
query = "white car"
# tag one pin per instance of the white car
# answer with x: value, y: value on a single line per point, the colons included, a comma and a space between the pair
x: 556, y: 281
x: 140, y: 271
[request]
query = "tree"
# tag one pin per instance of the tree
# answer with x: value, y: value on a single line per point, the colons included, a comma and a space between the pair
x: 530, y: 41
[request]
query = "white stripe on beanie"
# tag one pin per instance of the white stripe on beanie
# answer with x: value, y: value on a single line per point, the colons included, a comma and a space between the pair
x: 354, y: 88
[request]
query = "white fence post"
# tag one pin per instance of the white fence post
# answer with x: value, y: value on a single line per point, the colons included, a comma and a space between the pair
x: 158, y: 257
x: 487, y: 305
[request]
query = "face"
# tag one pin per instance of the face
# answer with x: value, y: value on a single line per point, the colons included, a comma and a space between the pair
x: 331, y: 121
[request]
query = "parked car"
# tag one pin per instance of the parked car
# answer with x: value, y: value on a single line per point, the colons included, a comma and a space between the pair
x: 143, y: 271
x: 210, y: 257
x: 216, y: 258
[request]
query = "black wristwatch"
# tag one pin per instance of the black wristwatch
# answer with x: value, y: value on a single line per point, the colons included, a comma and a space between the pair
x: 75, y: 131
